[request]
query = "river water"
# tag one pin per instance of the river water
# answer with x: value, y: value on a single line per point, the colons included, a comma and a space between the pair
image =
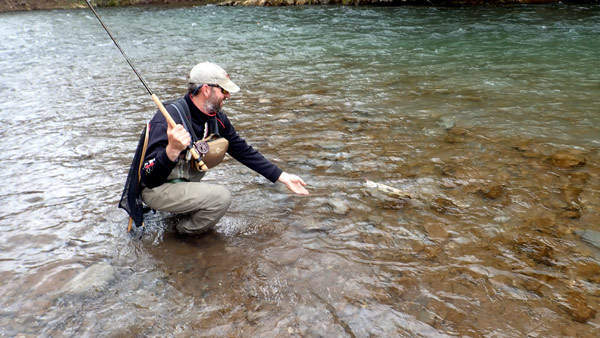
x: 488, y: 117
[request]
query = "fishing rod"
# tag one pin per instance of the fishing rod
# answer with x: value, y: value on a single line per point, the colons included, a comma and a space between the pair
x: 155, y: 98
x: 170, y: 122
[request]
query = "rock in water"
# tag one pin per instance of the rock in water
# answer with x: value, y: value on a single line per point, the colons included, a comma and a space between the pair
x: 338, y: 206
x: 577, y: 307
x: 492, y: 192
x: 589, y: 236
x: 567, y: 159
x: 94, y: 278
x: 456, y: 135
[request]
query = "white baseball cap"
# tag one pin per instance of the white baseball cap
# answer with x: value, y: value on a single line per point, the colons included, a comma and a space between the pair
x: 210, y: 73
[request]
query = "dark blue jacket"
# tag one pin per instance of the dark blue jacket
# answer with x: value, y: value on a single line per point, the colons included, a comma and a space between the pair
x: 157, y: 166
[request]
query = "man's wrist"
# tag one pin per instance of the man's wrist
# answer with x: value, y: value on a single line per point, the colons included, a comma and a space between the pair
x: 172, y: 154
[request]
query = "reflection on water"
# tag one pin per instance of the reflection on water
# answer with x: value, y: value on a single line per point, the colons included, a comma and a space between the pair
x: 487, y: 117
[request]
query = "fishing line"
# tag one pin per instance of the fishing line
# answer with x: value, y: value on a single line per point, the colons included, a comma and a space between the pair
x: 119, y: 47
x: 170, y: 122
x: 155, y: 98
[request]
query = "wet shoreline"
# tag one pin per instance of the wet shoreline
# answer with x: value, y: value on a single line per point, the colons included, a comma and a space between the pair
x: 29, y: 5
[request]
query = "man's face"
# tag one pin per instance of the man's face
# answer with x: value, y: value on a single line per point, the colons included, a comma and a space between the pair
x: 214, y: 102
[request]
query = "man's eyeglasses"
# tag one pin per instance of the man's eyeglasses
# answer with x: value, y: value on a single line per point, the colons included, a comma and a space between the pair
x: 217, y: 86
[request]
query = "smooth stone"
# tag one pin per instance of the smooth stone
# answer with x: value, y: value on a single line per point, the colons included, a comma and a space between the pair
x: 312, y: 226
x: 530, y: 150
x: 591, y: 237
x: 443, y: 205
x: 94, y: 278
x: 589, y: 271
x: 571, y: 213
x: 533, y: 285
x: 579, y: 178
x: 567, y: 159
x: 456, y: 135
x: 577, y: 308
x: 544, y: 223
x: 447, y: 122
x: 571, y: 194
x: 538, y: 251
x: 492, y: 192
x: 339, y: 206
x: 436, y: 231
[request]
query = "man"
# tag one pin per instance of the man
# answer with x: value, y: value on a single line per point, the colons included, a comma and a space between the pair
x: 169, y: 179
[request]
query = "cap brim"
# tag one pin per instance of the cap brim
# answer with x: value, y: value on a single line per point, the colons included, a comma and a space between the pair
x: 229, y: 86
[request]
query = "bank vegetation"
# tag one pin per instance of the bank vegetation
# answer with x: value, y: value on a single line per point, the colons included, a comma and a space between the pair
x: 26, y: 5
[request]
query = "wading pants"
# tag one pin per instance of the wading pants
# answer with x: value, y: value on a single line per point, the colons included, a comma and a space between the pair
x: 204, y: 203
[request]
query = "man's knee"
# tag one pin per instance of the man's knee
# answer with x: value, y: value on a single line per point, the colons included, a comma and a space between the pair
x: 220, y: 198
x: 208, y: 214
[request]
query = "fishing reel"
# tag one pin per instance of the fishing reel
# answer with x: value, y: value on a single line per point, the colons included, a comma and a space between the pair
x: 208, y: 152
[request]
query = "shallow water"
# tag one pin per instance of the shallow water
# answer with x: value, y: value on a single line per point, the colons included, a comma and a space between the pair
x: 469, y: 110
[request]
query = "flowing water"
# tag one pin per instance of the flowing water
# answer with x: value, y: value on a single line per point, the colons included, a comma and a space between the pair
x: 488, y: 117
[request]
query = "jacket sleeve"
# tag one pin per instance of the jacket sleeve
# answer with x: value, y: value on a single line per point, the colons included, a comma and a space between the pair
x: 244, y: 153
x: 156, y: 166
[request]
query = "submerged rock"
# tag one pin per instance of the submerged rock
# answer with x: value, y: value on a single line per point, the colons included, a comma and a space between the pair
x: 436, y: 231
x: 568, y: 159
x: 578, y: 179
x: 571, y: 194
x: 588, y: 270
x: 528, y: 150
x: 456, y: 135
x: 338, y: 206
x: 591, y: 237
x: 94, y: 278
x: 571, y: 213
x: 447, y: 122
x: 577, y: 307
x: 537, y: 250
x: 544, y: 223
x: 492, y: 192
x: 444, y: 206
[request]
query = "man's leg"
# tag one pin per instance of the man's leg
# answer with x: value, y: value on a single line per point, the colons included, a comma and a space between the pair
x: 205, y: 203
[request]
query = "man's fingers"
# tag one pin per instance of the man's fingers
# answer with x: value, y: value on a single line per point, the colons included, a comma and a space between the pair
x: 297, y: 187
x: 300, y: 190
x: 293, y: 183
x: 297, y: 179
x: 178, y: 128
x: 180, y: 136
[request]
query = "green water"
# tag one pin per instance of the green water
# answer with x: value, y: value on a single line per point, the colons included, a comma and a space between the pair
x: 464, y: 108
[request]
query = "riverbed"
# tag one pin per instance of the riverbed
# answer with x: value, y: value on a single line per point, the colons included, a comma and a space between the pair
x: 487, y: 117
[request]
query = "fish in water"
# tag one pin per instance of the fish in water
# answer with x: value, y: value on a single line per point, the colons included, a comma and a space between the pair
x: 375, y: 188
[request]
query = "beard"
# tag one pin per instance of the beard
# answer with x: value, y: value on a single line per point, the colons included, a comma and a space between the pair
x: 213, y: 105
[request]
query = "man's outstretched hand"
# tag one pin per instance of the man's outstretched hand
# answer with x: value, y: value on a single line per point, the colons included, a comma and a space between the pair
x: 294, y: 183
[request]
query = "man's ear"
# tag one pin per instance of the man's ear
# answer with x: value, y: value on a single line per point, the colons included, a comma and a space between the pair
x: 205, y: 90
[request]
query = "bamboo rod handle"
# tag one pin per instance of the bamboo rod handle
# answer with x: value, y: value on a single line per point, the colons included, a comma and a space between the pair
x: 171, y: 122
x: 164, y: 111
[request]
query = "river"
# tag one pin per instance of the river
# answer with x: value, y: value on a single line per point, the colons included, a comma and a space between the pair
x: 488, y: 117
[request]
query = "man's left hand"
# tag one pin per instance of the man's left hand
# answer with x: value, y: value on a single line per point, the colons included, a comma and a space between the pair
x: 293, y: 183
